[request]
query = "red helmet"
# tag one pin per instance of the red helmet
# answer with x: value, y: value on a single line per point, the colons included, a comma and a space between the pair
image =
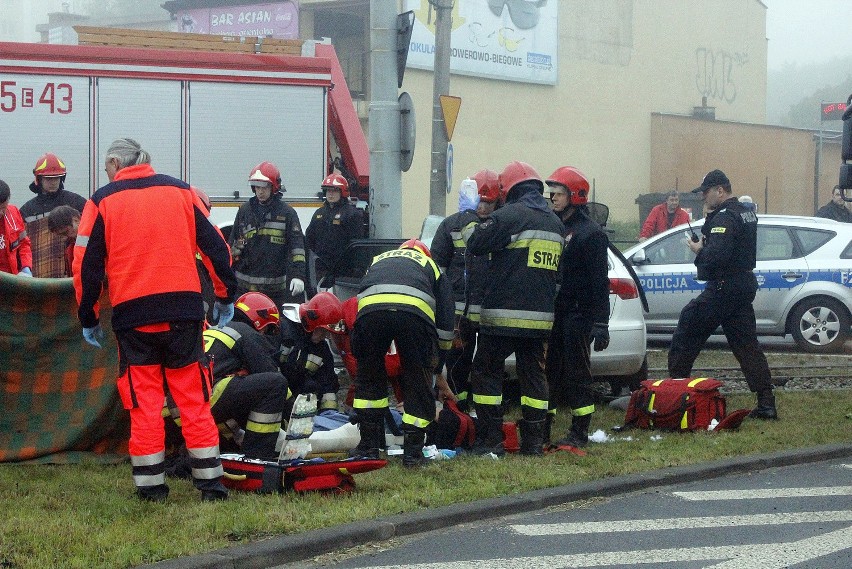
x: 418, y: 245
x: 336, y: 182
x: 513, y: 174
x: 488, y: 185
x: 49, y: 165
x: 260, y: 310
x: 324, y: 310
x: 267, y: 172
x: 574, y: 181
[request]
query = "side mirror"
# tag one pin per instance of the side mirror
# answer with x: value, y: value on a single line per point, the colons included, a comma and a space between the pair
x: 638, y: 258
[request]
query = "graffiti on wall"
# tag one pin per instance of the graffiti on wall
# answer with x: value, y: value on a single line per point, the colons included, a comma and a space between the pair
x: 715, y: 73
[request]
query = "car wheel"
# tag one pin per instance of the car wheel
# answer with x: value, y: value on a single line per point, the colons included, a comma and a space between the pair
x: 819, y: 325
x: 631, y: 382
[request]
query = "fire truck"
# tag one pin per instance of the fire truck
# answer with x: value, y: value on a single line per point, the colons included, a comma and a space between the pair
x: 207, y: 108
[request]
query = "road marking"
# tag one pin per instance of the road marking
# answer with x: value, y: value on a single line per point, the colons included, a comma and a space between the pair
x: 751, y: 556
x: 682, y: 523
x: 706, y: 495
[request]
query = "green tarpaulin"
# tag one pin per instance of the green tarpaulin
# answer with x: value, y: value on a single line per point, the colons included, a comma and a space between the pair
x: 58, y: 400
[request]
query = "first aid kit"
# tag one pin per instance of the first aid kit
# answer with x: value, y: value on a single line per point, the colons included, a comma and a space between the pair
x: 269, y: 476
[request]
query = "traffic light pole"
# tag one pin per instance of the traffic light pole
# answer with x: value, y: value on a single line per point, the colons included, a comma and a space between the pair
x: 438, y: 179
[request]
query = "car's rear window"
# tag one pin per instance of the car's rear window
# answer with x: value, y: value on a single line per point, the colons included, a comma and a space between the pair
x: 813, y: 239
x: 847, y: 252
x: 774, y: 243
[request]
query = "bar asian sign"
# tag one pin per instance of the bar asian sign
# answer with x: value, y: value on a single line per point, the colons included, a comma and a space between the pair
x: 279, y: 20
x: 832, y: 111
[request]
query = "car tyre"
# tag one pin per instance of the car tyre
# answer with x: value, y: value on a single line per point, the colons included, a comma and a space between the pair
x: 820, y: 325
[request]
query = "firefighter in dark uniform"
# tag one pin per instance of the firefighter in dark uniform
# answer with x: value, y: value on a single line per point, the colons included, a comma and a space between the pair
x: 403, y: 298
x: 305, y: 357
x: 725, y: 258
x: 267, y: 243
x: 524, y: 239
x: 582, y: 305
x: 467, y: 274
x: 333, y: 226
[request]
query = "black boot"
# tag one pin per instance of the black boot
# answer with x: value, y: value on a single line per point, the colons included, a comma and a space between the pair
x: 548, y: 429
x: 371, y: 423
x: 578, y: 435
x: 532, y: 437
x: 412, y: 448
x: 489, y: 430
x: 765, y: 406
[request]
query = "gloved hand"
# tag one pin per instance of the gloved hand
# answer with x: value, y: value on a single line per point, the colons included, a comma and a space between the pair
x: 600, y: 335
x: 25, y: 272
x: 223, y: 312
x: 93, y: 335
x: 297, y: 286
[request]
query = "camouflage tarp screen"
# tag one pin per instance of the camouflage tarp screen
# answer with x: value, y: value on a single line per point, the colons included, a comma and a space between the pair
x: 58, y: 400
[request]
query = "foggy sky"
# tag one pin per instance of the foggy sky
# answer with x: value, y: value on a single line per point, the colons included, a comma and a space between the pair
x: 807, y: 31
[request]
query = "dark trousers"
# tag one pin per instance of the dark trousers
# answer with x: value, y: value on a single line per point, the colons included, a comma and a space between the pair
x: 569, y: 368
x: 487, y: 375
x: 728, y: 304
x: 416, y: 343
x: 460, y: 360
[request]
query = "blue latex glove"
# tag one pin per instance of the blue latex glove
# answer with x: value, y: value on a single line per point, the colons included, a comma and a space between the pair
x: 25, y: 272
x: 93, y: 335
x: 222, y: 313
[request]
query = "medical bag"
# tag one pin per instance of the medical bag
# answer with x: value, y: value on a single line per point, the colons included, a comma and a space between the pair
x: 688, y: 404
x: 267, y: 476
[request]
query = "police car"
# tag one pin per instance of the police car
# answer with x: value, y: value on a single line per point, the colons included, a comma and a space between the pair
x: 804, y: 273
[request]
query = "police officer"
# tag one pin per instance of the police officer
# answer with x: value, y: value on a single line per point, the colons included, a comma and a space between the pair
x: 333, y: 226
x: 524, y: 239
x: 467, y: 275
x: 725, y: 258
x: 403, y: 298
x: 582, y: 304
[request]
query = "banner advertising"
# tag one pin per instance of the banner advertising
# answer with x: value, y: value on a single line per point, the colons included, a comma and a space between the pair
x: 514, y: 40
x: 279, y: 20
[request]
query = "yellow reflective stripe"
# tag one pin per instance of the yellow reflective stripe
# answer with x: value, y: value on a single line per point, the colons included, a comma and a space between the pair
x: 534, y: 403
x: 459, y: 244
x: 582, y: 411
x: 269, y: 231
x: 651, y: 402
x: 445, y: 344
x: 552, y: 412
x: 263, y: 428
x: 219, y: 334
x: 461, y: 396
x: 370, y: 403
x: 487, y: 399
x: 298, y: 258
x: 390, y: 298
x: 696, y: 381
x: 684, y: 423
x: 658, y: 382
x: 416, y: 421
x: 517, y: 323
x: 219, y: 388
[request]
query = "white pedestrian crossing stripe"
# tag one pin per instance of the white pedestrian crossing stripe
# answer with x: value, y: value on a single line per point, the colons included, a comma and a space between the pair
x: 705, y: 495
x: 683, y: 523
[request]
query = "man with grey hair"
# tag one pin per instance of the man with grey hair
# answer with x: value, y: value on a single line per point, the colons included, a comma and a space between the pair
x: 664, y: 216
x: 141, y: 232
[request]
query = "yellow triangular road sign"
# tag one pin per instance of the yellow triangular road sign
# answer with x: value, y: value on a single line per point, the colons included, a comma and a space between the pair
x: 450, y: 107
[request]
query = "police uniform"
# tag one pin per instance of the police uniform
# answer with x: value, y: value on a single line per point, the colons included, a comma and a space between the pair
x: 268, y: 248
x: 725, y: 262
x: 524, y: 239
x: 403, y: 298
x: 467, y: 275
x: 583, y: 300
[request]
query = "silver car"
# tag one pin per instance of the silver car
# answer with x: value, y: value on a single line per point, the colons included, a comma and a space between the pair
x: 804, y: 271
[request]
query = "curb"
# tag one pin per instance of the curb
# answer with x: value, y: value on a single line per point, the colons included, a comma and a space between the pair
x: 291, y: 548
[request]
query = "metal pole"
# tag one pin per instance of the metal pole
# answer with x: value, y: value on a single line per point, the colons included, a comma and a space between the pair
x: 441, y: 86
x: 385, y: 175
x: 766, y: 195
x: 817, y: 166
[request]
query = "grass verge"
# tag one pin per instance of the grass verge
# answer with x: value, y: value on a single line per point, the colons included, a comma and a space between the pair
x: 86, y: 515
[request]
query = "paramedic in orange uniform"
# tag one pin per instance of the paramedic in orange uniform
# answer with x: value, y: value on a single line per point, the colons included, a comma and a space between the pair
x: 141, y: 232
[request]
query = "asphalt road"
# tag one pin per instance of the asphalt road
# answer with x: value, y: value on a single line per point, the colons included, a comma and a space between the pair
x: 797, y: 517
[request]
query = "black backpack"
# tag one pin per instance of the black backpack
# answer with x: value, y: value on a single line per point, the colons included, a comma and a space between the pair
x: 453, y: 429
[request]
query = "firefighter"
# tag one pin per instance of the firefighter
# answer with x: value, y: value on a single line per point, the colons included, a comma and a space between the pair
x: 582, y: 305
x: 524, y: 239
x: 403, y: 298
x: 333, y: 226
x: 49, y: 186
x: 267, y: 241
x: 305, y: 357
x: 16, y: 255
x: 725, y: 258
x: 467, y: 275
x: 141, y: 232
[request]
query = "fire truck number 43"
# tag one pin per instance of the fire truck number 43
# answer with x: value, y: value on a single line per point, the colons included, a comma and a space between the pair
x: 55, y: 96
